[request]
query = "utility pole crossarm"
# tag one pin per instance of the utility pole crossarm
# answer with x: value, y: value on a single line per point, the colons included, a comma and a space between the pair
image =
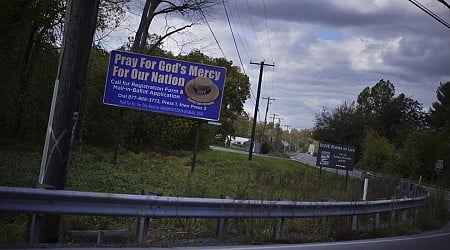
x: 263, y: 64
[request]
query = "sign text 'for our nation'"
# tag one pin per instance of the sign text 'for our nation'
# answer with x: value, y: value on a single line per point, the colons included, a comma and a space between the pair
x: 133, y: 66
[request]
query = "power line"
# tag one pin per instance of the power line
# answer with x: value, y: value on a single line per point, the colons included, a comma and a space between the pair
x: 237, y: 49
x: 444, y: 3
x: 267, y: 31
x: 234, y: 39
x: 245, y: 44
x: 430, y: 13
x: 244, y: 41
x: 215, y: 38
x: 253, y: 26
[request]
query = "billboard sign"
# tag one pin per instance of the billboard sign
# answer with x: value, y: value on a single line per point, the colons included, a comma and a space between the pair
x: 331, y: 155
x: 164, y: 85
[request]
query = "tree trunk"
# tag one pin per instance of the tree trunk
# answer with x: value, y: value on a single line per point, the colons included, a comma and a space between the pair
x: 80, y: 24
x: 24, y: 79
x: 140, y: 40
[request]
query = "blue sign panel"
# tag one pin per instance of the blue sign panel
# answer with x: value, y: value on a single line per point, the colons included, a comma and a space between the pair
x: 164, y: 85
x: 336, y: 156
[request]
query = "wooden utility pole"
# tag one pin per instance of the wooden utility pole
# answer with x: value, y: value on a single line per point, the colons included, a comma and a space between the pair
x: 265, y: 118
x: 278, y: 133
x: 273, y: 122
x: 287, y: 129
x: 79, y: 27
x: 252, y: 140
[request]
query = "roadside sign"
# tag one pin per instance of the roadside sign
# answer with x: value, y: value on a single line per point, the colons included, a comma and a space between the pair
x: 439, y: 164
x: 337, y: 156
x: 164, y: 85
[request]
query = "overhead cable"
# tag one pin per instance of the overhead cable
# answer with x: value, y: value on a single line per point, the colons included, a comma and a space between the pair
x: 215, y: 38
x: 234, y: 39
x: 445, y: 3
x: 267, y: 31
x: 430, y: 13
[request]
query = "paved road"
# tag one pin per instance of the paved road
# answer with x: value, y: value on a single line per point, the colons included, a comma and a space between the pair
x: 228, y: 150
x: 433, y: 240
x: 438, y: 240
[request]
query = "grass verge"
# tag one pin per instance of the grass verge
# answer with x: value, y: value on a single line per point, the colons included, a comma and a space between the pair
x: 216, y: 173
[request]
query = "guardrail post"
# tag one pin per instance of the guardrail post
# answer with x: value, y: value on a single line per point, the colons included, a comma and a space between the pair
x: 34, y: 221
x: 404, y: 214
x: 391, y: 218
x: 323, y: 224
x: 278, y: 227
x: 221, y: 229
x: 416, y: 214
x: 33, y: 229
x: 354, y: 222
x: 142, y: 233
x: 376, y: 221
x: 100, y: 237
x: 142, y: 225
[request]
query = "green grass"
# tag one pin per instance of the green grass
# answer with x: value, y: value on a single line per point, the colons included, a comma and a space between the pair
x: 216, y: 173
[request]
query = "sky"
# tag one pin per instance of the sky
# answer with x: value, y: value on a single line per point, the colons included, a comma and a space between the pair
x: 324, y: 51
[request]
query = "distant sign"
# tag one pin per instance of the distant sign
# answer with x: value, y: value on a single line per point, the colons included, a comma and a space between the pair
x: 164, y: 85
x: 214, y: 123
x: 439, y: 164
x: 336, y: 156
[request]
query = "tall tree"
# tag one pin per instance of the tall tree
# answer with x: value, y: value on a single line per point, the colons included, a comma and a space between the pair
x: 390, y: 116
x: 27, y: 27
x: 342, y: 125
x: 440, y: 110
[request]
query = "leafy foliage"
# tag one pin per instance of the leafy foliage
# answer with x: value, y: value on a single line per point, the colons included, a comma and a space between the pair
x: 343, y: 125
x: 31, y: 32
x: 391, y: 131
x: 392, y: 117
x: 420, y: 152
x: 440, y: 112
x: 378, y: 154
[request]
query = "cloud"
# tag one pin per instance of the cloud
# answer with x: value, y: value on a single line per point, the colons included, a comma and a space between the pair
x: 326, y: 51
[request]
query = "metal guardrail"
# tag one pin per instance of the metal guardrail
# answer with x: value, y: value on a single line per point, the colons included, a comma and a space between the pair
x: 40, y: 201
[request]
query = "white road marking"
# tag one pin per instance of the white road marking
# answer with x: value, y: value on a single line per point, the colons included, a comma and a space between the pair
x: 342, y: 243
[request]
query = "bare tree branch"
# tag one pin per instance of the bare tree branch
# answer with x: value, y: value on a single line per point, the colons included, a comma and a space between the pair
x: 160, y: 39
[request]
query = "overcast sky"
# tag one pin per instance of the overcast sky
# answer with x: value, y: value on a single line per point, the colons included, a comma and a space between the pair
x: 324, y: 51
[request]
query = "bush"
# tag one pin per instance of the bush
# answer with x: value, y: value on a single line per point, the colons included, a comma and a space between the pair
x: 435, y: 211
x: 378, y: 154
